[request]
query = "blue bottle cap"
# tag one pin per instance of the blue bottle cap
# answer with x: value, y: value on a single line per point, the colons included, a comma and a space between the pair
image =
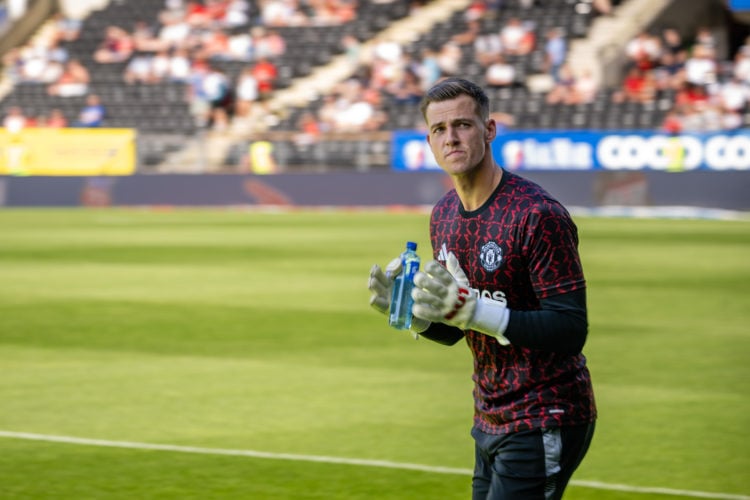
x: 411, y: 245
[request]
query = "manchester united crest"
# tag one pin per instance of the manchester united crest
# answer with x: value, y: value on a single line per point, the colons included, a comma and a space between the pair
x: 491, y: 256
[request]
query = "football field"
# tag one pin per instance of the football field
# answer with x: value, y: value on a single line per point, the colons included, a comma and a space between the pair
x: 196, y: 354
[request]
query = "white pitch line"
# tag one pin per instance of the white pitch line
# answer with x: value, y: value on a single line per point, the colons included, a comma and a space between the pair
x: 345, y: 461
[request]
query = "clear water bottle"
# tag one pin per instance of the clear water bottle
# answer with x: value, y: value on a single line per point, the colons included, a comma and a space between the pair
x: 401, y: 301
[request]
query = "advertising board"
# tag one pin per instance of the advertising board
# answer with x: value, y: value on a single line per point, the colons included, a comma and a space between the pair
x: 67, y: 152
x: 584, y: 150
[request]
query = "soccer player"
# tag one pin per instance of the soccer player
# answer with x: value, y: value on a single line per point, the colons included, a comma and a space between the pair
x: 508, y: 279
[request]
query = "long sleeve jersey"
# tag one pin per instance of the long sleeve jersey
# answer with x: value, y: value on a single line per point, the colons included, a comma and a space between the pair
x: 520, y: 247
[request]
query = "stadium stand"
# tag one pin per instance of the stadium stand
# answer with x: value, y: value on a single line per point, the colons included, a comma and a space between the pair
x: 325, y: 71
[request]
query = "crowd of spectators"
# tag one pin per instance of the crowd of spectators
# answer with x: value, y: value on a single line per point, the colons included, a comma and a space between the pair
x: 193, y: 38
x: 706, y: 92
x: 390, y: 74
x: 189, y: 41
x: 44, y: 60
x: 91, y: 115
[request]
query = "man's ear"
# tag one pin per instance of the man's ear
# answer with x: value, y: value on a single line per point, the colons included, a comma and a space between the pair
x: 490, y: 131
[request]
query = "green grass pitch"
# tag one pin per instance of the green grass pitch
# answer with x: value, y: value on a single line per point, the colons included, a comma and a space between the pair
x: 228, y: 329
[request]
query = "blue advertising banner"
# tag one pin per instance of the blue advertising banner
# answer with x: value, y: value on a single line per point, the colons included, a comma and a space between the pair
x: 583, y: 150
x: 739, y: 5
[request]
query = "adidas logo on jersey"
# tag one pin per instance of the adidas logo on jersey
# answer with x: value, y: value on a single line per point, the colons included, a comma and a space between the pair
x: 443, y: 253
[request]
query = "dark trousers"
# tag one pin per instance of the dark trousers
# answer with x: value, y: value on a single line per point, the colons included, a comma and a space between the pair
x: 528, y: 465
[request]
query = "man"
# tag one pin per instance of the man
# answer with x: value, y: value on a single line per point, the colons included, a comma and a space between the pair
x: 511, y: 284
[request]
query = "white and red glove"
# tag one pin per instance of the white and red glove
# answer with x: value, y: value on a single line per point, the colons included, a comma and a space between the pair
x: 381, y: 288
x: 445, y: 296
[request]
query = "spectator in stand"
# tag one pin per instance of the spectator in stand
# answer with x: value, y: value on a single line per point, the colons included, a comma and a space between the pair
x: 476, y: 10
x: 555, y: 52
x: 266, y: 73
x: 585, y: 87
x: 705, y: 38
x: 220, y: 97
x: 282, y: 13
x: 363, y: 111
x: 639, y: 86
x: 196, y: 95
x: 174, y: 32
x: 238, y: 13
x: 644, y: 50
x: 469, y: 36
x: 672, y: 42
x: 57, y: 119
x: 93, y: 113
x: 407, y: 89
x: 67, y: 29
x: 180, y: 66
x: 214, y: 46
x: 161, y: 63
x: 500, y: 73
x: 672, y: 123
x: 670, y: 72
x: 197, y: 14
x: 386, y: 64
x: 328, y: 111
x: 690, y: 95
x: 332, y: 13
x: 216, y: 11
x: 116, y: 47
x: 267, y: 43
x: 40, y: 121
x: 240, y: 46
x: 701, y: 67
x: 15, y: 120
x: 731, y: 102
x: 429, y: 69
x: 309, y: 129
x: 38, y: 67
x: 564, y: 88
x: 449, y: 59
x: 517, y: 38
x: 73, y: 82
x: 139, y: 69
x: 144, y: 37
x: 247, y: 92
x: 486, y: 47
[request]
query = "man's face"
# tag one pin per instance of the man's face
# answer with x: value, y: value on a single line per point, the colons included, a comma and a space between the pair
x: 457, y: 135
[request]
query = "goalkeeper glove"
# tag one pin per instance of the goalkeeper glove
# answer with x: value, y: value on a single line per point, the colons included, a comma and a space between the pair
x: 445, y: 296
x: 381, y: 288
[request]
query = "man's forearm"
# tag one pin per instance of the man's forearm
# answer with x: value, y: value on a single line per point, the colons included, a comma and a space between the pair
x: 443, y: 334
x: 561, y: 325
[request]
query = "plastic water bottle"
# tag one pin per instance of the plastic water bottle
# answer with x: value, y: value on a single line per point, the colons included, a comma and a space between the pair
x: 401, y: 301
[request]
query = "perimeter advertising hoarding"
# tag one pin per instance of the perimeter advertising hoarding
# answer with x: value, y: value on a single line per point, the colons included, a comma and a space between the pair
x: 582, y: 150
x: 68, y: 152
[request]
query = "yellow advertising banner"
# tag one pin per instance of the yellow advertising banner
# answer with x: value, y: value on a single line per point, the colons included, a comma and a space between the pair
x: 68, y: 151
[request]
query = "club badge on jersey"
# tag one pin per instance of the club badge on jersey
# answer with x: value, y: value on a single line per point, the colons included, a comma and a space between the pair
x: 491, y: 256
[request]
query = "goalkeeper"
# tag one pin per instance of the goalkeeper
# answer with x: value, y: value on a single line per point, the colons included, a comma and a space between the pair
x: 507, y: 278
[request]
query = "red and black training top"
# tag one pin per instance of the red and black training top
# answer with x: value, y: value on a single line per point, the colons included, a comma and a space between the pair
x: 521, y: 247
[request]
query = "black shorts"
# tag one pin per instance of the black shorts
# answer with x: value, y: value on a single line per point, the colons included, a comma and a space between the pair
x: 528, y: 465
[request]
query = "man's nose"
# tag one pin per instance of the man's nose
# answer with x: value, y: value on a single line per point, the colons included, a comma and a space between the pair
x: 452, y: 135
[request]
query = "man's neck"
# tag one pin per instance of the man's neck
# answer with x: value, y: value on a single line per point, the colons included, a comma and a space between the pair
x: 475, y: 188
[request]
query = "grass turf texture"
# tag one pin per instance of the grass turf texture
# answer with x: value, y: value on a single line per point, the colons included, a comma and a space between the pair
x: 241, y: 330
